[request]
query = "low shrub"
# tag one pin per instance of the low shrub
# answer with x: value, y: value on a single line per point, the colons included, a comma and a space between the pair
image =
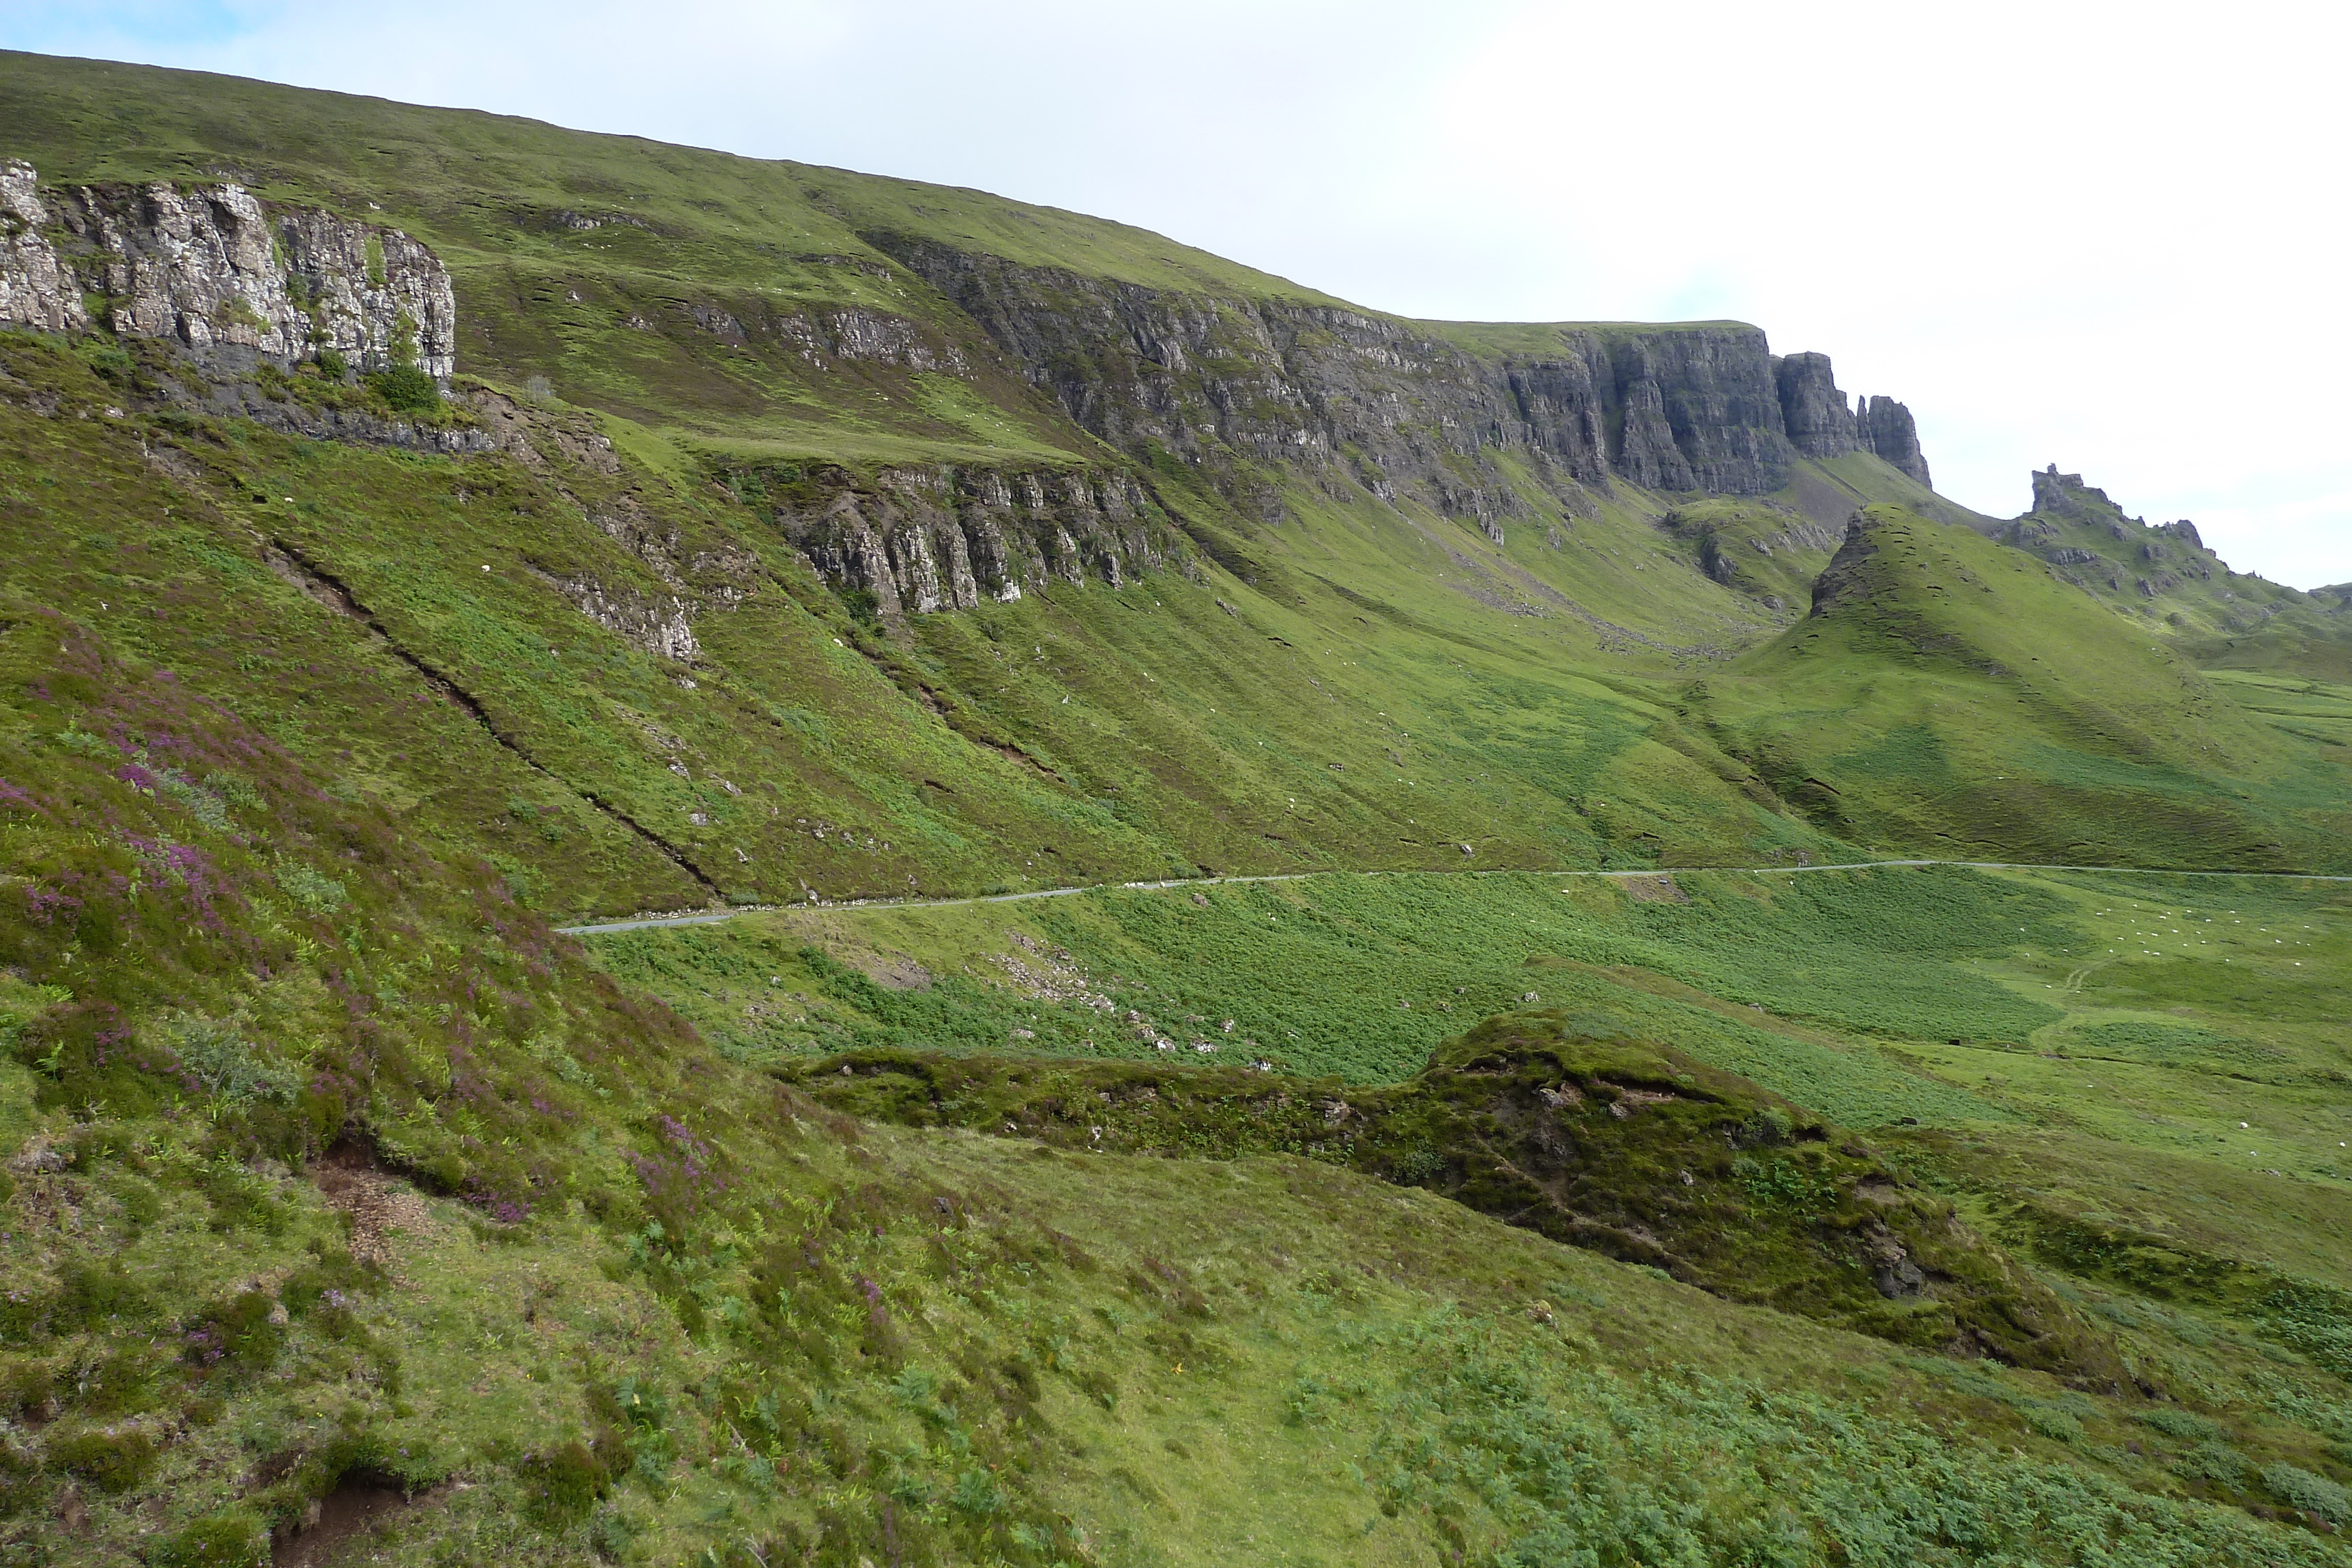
x: 109, y: 1459
x: 234, y: 1539
x: 404, y: 388
x: 2298, y: 1488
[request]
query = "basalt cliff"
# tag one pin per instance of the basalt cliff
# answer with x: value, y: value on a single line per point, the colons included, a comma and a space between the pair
x: 1398, y: 405
x: 222, y: 273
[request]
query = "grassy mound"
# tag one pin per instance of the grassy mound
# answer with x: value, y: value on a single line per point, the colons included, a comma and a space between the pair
x: 1570, y: 1127
x: 1951, y: 692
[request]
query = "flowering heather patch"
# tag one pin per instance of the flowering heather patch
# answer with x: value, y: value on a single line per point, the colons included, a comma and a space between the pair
x: 47, y: 904
x: 683, y: 1176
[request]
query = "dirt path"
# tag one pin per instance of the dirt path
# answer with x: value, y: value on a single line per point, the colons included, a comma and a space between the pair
x: 710, y: 917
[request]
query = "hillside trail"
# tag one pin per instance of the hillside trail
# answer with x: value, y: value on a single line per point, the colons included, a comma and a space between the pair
x: 712, y: 916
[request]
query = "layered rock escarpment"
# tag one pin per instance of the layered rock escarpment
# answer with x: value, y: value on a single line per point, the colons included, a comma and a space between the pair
x: 222, y: 273
x: 1223, y: 381
x: 922, y: 540
x: 1820, y: 425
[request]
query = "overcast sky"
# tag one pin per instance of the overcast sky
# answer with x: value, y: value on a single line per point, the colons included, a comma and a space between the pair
x: 2111, y: 237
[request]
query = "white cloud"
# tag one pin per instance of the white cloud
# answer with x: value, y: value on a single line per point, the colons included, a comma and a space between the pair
x: 2105, y: 235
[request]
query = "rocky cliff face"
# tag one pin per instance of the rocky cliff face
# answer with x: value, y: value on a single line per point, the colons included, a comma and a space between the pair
x: 922, y: 540
x: 1226, y: 382
x: 1821, y: 425
x: 218, y: 270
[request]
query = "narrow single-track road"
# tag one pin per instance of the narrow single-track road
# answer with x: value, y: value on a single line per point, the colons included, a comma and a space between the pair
x: 712, y: 916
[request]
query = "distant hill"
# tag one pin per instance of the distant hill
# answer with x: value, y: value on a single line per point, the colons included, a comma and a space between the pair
x: 1947, y: 691
x: 2163, y: 575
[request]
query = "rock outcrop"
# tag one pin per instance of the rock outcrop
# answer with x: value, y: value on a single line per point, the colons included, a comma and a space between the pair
x: 1886, y: 428
x: 1819, y: 424
x: 1846, y: 580
x: 663, y: 628
x: 1225, y: 382
x: 2057, y: 495
x: 217, y: 270
x: 921, y: 540
x: 2088, y: 541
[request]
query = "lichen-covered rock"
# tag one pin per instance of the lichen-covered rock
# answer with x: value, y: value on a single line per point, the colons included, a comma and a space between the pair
x: 35, y: 289
x: 213, y: 267
x: 662, y: 627
x: 924, y: 540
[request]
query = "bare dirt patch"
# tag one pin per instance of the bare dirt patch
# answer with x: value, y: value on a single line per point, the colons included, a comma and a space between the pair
x: 335, y: 1527
x: 381, y: 1205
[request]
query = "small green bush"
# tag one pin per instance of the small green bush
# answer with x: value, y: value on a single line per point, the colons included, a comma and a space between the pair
x: 561, y: 1485
x: 333, y: 365
x: 2053, y: 1423
x: 225, y: 1063
x: 406, y: 390
x: 109, y: 1460
x: 236, y: 1333
x: 2298, y: 1488
x: 2185, y: 1425
x: 230, y: 1539
x: 2215, y: 1461
x: 318, y: 894
x: 25, y: 1384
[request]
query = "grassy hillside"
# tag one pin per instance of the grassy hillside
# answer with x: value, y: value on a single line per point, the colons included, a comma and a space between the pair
x: 1161, y: 728
x: 1086, y: 734
x: 1485, y: 1180
x: 1946, y: 691
x: 1375, y: 685
x: 618, y: 1296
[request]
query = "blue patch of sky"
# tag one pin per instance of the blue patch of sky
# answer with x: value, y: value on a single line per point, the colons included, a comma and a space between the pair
x: 118, y: 31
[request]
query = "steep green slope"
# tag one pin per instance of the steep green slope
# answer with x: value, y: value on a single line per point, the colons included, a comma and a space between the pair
x: 1334, y: 667
x: 618, y: 1297
x: 1947, y: 691
x: 337, y: 595
x: 743, y: 308
x: 792, y: 537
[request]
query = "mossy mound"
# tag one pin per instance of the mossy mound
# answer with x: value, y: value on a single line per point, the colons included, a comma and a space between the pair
x: 1566, y: 1125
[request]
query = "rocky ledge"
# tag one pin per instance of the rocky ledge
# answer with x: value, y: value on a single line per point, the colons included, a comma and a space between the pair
x: 219, y: 271
x: 1228, y: 381
x: 925, y: 540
